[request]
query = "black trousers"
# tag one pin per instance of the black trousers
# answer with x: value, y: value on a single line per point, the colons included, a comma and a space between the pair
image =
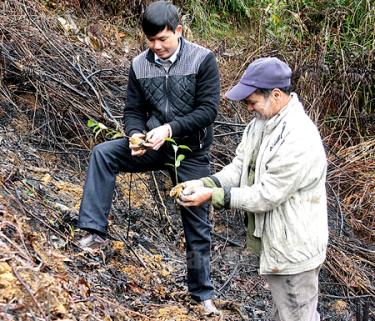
x: 110, y: 158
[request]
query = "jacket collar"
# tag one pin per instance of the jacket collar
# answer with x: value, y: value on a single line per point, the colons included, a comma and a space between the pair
x: 150, y: 56
x: 294, y: 103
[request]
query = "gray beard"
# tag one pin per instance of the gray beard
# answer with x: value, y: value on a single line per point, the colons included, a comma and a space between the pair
x: 259, y: 116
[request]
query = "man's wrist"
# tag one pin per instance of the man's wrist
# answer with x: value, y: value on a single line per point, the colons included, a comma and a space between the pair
x: 169, y: 130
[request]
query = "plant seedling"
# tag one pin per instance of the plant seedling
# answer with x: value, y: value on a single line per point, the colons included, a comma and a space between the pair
x: 178, y: 158
x: 98, y: 127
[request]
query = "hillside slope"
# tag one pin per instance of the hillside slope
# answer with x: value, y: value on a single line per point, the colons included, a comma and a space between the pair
x: 60, y: 68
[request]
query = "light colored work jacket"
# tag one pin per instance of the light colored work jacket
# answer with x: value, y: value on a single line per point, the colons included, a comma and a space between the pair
x: 288, y: 196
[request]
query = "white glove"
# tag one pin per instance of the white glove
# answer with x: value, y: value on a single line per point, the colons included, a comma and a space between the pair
x: 156, y: 137
x: 191, y: 186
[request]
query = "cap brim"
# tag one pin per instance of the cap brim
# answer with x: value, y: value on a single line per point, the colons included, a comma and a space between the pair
x: 240, y: 92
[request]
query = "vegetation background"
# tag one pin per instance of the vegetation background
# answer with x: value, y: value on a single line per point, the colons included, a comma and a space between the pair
x: 65, y: 62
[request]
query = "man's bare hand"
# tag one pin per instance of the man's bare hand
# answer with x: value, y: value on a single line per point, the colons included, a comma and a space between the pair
x: 156, y: 137
x: 190, y: 186
x: 137, y: 144
x: 185, y: 188
x: 198, y: 196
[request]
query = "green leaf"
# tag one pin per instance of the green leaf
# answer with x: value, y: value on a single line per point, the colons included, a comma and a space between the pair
x: 275, y: 19
x: 184, y: 147
x: 175, y: 148
x: 179, y: 159
x: 171, y: 140
x: 91, y: 123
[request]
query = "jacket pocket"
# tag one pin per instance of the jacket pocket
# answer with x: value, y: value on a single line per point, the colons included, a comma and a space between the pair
x: 288, y: 237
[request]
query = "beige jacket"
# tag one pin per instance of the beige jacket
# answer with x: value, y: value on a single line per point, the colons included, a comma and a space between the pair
x: 288, y: 196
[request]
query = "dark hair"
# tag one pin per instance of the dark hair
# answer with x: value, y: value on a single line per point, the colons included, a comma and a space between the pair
x: 265, y: 92
x: 158, y: 16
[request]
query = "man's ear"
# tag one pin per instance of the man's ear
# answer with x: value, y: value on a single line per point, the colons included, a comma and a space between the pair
x: 178, y: 30
x: 276, y: 93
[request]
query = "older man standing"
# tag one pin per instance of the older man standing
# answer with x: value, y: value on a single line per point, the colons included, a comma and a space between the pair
x: 278, y: 178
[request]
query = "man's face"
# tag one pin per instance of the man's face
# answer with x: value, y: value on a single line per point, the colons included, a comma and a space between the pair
x: 264, y: 107
x: 165, y: 43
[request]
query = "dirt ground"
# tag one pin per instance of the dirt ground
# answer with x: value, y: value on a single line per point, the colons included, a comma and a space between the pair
x: 141, y: 275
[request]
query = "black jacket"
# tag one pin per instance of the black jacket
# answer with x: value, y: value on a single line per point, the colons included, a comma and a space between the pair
x: 186, y: 97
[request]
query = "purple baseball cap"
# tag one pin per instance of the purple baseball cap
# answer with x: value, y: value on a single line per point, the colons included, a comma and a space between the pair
x: 267, y: 73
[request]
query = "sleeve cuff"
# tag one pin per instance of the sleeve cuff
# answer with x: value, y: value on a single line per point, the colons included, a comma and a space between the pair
x: 208, y: 182
x: 216, y: 180
x: 134, y: 131
x: 220, y: 196
x: 227, y: 196
x: 169, y: 130
x: 175, y: 128
x: 217, y: 200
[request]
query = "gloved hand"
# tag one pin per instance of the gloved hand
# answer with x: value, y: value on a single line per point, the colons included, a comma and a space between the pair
x: 156, y: 137
x: 136, y: 145
x: 190, y: 186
